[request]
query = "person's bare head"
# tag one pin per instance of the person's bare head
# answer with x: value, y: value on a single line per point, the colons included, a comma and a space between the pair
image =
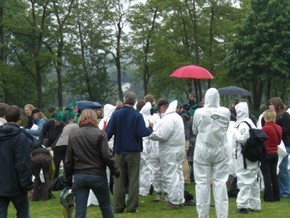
x: 162, y: 105
x: 13, y: 114
x: 88, y: 116
x: 28, y: 109
x: 140, y: 104
x: 277, y: 104
x: 149, y: 98
x: 130, y: 98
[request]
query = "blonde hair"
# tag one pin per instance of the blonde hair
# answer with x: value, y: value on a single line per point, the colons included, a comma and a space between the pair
x: 269, y: 115
x: 42, y: 115
x: 29, y: 106
x: 88, y: 116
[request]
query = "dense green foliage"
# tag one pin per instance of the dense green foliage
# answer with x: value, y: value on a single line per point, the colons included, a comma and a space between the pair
x: 261, y: 51
x: 53, y: 51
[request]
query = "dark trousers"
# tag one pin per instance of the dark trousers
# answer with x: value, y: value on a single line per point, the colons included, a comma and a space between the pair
x: 20, y: 203
x: 129, y: 165
x: 58, y: 156
x: 41, y: 189
x: 269, y: 170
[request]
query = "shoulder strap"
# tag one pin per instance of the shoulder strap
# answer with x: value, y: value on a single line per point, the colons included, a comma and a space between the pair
x: 248, y: 124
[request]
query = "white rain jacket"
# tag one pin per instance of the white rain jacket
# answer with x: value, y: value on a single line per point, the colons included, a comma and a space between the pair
x: 157, y: 182
x: 145, y: 111
x: 211, y: 155
x: 108, y: 111
x: 247, y: 181
x: 145, y: 177
x: 170, y: 134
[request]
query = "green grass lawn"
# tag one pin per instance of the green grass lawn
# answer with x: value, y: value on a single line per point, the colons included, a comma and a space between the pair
x: 149, y: 209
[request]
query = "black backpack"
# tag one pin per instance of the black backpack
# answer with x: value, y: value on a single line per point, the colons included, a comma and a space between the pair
x: 254, y: 149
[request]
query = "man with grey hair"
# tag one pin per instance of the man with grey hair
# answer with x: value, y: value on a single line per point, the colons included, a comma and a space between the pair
x: 128, y: 127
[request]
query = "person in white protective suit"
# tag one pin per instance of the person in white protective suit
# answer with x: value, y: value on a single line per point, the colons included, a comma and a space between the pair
x: 249, y: 195
x: 145, y: 177
x: 211, y: 155
x: 108, y: 110
x: 170, y: 134
x: 154, y: 157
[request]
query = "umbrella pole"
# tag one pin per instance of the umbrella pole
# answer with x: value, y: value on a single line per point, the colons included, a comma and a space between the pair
x: 196, y: 90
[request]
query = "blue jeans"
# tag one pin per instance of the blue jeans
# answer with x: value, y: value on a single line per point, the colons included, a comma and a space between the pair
x: 20, y: 203
x: 99, y: 185
x: 284, y: 177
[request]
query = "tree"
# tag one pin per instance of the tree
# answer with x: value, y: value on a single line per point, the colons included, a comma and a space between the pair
x: 2, y: 52
x: 27, y: 40
x: 57, y: 43
x: 260, y: 55
x: 187, y: 32
x: 143, y: 20
x: 118, y: 39
x: 87, y: 62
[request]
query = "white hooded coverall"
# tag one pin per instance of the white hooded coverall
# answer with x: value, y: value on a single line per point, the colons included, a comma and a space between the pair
x: 108, y: 111
x: 211, y: 156
x: 146, y: 172
x: 170, y: 134
x: 154, y: 157
x: 248, y: 183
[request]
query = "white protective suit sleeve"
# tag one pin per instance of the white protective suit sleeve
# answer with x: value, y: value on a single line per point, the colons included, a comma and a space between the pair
x: 166, y: 126
x: 163, y: 131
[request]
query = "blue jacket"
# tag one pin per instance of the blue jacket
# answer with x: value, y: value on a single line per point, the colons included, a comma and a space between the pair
x: 15, y: 167
x: 128, y: 127
x: 40, y: 125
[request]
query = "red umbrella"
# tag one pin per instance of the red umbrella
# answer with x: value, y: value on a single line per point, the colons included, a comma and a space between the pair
x: 192, y: 72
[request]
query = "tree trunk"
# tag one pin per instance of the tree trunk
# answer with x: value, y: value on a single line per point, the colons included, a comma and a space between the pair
x: 257, y: 87
x: 59, y: 82
x: 146, y: 73
x: 211, y: 68
x: 58, y: 67
x: 196, y: 49
x: 118, y: 61
x: 39, y: 86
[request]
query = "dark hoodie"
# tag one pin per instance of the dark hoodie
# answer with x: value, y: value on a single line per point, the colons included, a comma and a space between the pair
x: 15, y: 167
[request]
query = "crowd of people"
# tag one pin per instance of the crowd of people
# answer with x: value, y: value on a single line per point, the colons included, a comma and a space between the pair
x: 139, y: 147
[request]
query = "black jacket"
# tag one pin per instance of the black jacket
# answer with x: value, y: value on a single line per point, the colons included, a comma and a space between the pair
x: 51, y: 132
x: 29, y: 122
x: 15, y: 163
x: 88, y: 153
x: 284, y: 122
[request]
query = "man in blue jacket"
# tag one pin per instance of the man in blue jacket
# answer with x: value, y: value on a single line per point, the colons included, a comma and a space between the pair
x: 15, y: 167
x: 128, y: 127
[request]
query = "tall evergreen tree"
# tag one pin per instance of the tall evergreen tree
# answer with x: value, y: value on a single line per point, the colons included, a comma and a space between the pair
x: 260, y: 56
